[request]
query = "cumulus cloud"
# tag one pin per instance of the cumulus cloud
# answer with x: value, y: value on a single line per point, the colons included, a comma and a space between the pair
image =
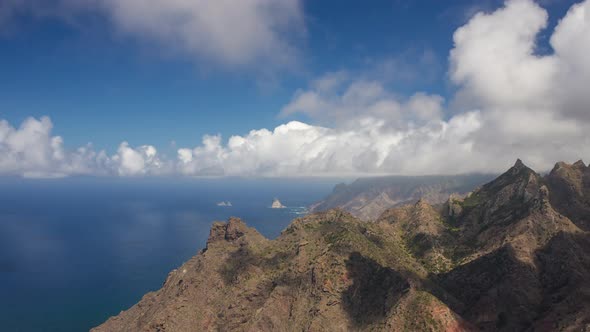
x: 493, y: 58
x: 138, y: 161
x: 297, y: 148
x: 291, y: 149
x: 532, y: 105
x: 510, y: 102
x: 226, y: 32
x: 31, y: 151
x: 338, y: 98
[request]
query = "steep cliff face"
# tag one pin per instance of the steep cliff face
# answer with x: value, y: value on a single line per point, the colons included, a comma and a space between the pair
x: 367, y: 198
x: 502, y: 259
x: 570, y: 192
x: 327, y: 271
x: 494, y: 249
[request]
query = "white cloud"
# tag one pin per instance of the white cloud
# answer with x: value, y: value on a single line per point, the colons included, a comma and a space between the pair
x: 510, y: 102
x: 338, y: 98
x: 532, y: 106
x: 226, y: 32
x: 571, y: 42
x: 296, y: 148
x: 233, y: 32
x: 139, y: 161
x: 31, y: 151
x: 493, y: 60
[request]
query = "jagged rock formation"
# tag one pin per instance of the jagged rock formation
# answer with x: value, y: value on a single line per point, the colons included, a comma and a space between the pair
x: 493, y: 250
x: 367, y: 198
x: 328, y: 271
x: 570, y: 191
x: 512, y: 256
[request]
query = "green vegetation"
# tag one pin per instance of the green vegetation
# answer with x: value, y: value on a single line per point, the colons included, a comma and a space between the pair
x: 453, y: 229
x: 472, y: 200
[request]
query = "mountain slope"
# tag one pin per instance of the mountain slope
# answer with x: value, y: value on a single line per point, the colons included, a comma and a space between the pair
x: 498, y: 253
x: 367, y: 198
x: 328, y: 271
x: 502, y: 259
x: 570, y: 192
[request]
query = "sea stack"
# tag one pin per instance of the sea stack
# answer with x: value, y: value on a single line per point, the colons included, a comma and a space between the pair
x: 276, y: 204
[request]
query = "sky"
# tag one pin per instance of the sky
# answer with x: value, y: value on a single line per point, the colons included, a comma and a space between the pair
x: 287, y: 88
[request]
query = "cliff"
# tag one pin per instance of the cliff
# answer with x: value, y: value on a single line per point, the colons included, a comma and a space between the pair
x: 512, y: 256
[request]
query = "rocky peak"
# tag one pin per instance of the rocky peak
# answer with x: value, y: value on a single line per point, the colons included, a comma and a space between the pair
x: 559, y: 168
x: 519, y: 183
x: 230, y: 231
x: 519, y: 168
x: 580, y: 164
x: 235, y: 229
x: 502, y: 202
x: 519, y: 164
x: 571, y: 176
x: 569, y: 187
x: 564, y: 169
x: 505, y: 261
x: 518, y: 175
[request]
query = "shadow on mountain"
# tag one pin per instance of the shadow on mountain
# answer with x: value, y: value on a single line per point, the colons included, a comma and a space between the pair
x: 564, y: 270
x: 374, y: 291
x: 499, y: 291
x: 502, y: 293
x: 243, y: 263
x: 570, y: 192
x: 237, y: 264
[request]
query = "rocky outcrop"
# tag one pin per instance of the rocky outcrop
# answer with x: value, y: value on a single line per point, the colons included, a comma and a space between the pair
x: 504, y: 258
x: 497, y: 243
x: 570, y: 191
x: 230, y: 231
x: 276, y: 204
x: 327, y: 271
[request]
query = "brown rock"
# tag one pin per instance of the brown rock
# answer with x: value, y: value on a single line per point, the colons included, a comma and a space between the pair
x: 509, y: 257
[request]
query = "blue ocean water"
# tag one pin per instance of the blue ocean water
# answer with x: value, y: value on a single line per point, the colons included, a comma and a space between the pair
x: 76, y: 251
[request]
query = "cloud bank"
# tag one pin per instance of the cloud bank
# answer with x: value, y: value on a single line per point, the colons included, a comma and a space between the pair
x: 31, y: 151
x: 510, y: 102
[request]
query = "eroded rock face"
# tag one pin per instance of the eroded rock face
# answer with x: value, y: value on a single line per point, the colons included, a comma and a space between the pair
x: 326, y: 272
x: 570, y: 191
x: 502, y: 259
x: 497, y: 242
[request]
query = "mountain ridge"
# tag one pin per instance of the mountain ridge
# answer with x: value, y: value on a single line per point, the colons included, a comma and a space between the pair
x: 367, y: 198
x: 504, y: 258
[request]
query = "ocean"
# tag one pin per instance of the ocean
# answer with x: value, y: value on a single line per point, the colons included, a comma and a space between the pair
x: 76, y: 251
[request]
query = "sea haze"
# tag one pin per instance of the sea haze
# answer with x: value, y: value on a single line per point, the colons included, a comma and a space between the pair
x: 76, y: 251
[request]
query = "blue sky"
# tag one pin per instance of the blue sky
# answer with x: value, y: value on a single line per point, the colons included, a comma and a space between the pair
x: 102, y: 88
x: 104, y: 80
